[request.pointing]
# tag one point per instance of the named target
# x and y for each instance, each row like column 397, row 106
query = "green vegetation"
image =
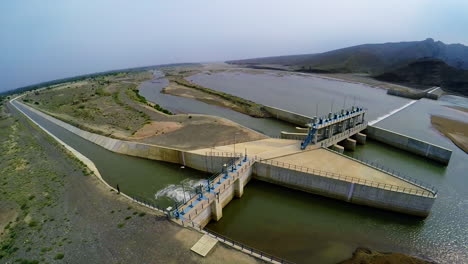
column 142, row 100
column 246, row 106
column 94, row 104
column 31, row 189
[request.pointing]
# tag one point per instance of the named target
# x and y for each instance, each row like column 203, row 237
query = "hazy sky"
column 41, row 40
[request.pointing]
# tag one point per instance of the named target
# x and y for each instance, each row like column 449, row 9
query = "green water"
column 311, row 229
column 137, row 177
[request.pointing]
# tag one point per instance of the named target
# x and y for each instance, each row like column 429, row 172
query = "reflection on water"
column 308, row 95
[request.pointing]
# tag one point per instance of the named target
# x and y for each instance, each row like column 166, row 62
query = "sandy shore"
column 455, row 130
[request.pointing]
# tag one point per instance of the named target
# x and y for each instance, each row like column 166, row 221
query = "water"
column 307, row 228
column 311, row 229
column 136, row 177
column 301, row 93
column 151, row 90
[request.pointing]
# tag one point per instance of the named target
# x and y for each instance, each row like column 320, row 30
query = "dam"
column 306, row 165
column 286, row 162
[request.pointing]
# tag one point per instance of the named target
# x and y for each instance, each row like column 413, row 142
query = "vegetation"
column 370, row 58
column 142, row 100
column 427, row 73
column 247, row 106
column 95, row 104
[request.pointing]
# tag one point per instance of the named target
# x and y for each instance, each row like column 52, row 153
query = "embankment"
column 370, row 194
column 288, row 116
column 142, row 150
column 413, row 145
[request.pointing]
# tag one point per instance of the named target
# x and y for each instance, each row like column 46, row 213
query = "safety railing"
column 338, row 176
column 250, row 250
column 341, row 136
column 339, row 117
column 214, row 185
column 393, row 172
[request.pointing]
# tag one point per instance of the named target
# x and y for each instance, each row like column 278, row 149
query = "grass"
column 59, row 256
column 139, row 98
column 246, row 106
column 93, row 105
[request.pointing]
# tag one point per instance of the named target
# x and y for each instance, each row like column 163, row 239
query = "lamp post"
column 183, row 187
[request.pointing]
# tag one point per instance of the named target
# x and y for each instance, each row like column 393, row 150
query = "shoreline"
column 454, row 130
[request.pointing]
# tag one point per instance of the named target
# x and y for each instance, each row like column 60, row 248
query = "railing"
column 250, row 250
column 324, row 120
column 215, row 184
column 338, row 176
column 338, row 137
column 392, row 172
column 230, row 242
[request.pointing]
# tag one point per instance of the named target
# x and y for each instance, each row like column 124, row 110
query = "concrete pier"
column 349, row 144
column 360, row 138
column 338, row 148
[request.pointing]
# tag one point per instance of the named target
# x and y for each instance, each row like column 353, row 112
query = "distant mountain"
column 429, row 72
column 370, row 58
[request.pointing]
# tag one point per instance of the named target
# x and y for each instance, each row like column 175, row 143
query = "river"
column 302, row 227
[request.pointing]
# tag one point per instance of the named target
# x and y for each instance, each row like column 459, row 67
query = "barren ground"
column 52, row 210
column 455, row 130
column 110, row 106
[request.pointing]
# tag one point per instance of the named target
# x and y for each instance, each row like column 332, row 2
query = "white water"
column 391, row 113
column 180, row 192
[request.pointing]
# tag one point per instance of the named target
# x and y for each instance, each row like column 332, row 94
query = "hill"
column 370, row 58
column 429, row 72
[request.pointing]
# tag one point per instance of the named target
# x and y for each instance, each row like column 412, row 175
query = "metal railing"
column 338, row 176
column 250, row 250
column 230, row 242
column 392, row 172
column 338, row 137
column 214, row 185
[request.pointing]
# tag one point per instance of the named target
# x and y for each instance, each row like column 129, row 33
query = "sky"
column 42, row 40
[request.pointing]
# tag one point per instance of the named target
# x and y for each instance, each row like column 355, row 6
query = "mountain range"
column 419, row 63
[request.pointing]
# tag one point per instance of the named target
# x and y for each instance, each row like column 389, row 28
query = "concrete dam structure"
column 314, row 169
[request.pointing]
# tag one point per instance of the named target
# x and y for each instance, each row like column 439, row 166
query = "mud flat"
column 456, row 131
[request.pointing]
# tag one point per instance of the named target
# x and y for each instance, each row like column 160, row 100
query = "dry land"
column 367, row 256
column 111, row 106
column 180, row 87
column 456, row 131
column 53, row 210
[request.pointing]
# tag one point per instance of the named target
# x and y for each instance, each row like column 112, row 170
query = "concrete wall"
column 391, row 200
column 343, row 190
column 226, row 194
column 410, row 144
column 288, row 116
column 147, row 151
column 295, row 136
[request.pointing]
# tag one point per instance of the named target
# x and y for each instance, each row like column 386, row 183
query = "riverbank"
column 179, row 86
column 367, row 256
column 52, row 210
column 455, row 130
column 110, row 106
